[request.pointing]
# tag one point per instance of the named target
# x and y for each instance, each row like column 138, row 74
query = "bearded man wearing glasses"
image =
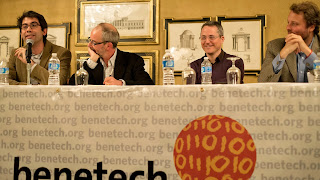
column 108, row 65
column 33, row 26
column 212, row 38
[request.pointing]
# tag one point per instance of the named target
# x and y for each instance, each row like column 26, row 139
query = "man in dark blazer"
column 110, row 66
column 289, row 59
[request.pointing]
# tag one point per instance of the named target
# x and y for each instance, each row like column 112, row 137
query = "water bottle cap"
column 206, row 58
column 54, row 54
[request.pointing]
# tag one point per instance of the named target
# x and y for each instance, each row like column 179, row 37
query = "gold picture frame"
column 59, row 34
column 136, row 20
column 176, row 31
column 244, row 37
column 9, row 40
column 150, row 58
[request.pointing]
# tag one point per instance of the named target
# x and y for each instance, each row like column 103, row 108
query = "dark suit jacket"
column 128, row 66
column 288, row 73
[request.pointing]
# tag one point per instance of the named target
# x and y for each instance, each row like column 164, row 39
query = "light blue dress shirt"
column 303, row 64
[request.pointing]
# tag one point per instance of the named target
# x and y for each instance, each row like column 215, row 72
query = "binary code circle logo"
column 214, row 147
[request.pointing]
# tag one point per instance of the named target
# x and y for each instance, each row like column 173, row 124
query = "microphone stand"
column 28, row 70
column 28, row 57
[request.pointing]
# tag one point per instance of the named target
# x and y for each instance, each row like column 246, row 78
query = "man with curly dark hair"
column 289, row 59
column 34, row 27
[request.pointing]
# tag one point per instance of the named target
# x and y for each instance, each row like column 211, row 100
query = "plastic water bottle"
column 168, row 68
column 4, row 72
column 316, row 68
column 54, row 70
column 206, row 71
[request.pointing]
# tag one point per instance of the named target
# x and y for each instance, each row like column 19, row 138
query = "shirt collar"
column 112, row 60
column 220, row 57
column 311, row 43
column 109, row 70
column 37, row 56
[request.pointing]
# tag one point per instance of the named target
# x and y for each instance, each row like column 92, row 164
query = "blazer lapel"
column 292, row 65
column 46, row 55
column 315, row 46
column 120, row 65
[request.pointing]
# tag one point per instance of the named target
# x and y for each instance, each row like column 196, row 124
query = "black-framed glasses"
column 33, row 25
column 95, row 43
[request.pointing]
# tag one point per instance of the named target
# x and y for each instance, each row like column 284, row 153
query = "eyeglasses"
column 211, row 37
column 33, row 25
column 95, row 43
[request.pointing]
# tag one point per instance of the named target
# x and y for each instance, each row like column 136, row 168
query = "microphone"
column 29, row 50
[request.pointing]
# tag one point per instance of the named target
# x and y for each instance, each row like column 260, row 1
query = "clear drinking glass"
column 81, row 76
column 233, row 73
column 188, row 74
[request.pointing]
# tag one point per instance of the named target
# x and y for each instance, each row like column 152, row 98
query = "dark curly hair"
column 32, row 14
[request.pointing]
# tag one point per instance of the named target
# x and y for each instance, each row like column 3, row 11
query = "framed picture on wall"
column 244, row 38
column 9, row 40
column 182, row 37
column 59, row 34
column 150, row 60
column 136, row 20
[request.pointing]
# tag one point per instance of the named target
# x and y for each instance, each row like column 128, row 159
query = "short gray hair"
column 109, row 34
column 214, row 23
